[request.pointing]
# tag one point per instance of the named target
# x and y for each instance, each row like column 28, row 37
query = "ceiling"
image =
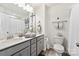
column 37, row 5
column 34, row 5
column 14, row 9
column 22, row 13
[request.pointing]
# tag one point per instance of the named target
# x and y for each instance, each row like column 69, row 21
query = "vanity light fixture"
column 29, row 8
column 25, row 6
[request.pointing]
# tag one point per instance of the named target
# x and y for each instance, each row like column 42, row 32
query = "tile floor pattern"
column 48, row 52
column 51, row 52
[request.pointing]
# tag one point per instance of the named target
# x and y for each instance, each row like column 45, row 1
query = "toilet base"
column 65, row 54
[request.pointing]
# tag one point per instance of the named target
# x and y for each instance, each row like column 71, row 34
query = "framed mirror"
column 30, row 23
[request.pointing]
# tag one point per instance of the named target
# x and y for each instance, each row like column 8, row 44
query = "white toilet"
column 58, row 41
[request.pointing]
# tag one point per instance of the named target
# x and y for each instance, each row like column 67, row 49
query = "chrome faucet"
column 9, row 36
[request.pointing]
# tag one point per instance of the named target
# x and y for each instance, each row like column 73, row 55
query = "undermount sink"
column 16, row 38
column 19, row 38
column 30, row 35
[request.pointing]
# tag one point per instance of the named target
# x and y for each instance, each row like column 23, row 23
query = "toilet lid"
column 58, row 47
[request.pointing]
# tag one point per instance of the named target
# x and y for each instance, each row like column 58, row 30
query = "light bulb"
column 29, row 8
column 25, row 7
column 21, row 4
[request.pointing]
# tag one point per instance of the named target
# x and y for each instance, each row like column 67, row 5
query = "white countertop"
column 11, row 42
column 39, row 35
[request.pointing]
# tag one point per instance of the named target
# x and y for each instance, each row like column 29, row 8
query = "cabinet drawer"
column 40, row 37
column 33, row 41
column 14, row 49
column 25, row 52
column 33, row 48
column 6, row 52
column 20, row 46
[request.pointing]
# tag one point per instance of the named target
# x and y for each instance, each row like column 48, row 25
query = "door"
column 73, row 49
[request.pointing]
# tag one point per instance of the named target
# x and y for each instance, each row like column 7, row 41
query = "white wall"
column 51, row 14
column 47, row 14
column 74, row 31
column 40, row 16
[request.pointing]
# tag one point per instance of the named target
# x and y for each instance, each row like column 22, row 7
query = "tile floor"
column 51, row 52
column 48, row 52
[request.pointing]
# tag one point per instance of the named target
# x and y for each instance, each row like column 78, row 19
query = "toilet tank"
column 58, row 39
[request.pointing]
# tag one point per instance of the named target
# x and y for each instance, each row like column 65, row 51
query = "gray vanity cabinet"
column 40, row 44
column 6, row 52
column 13, row 49
column 34, row 53
column 31, row 47
column 20, row 46
column 24, row 52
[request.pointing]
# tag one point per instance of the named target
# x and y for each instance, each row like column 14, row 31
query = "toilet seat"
column 59, row 48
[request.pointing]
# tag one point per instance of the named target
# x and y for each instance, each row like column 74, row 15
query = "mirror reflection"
column 17, row 23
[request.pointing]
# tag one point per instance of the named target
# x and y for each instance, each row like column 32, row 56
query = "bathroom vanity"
column 22, row 47
column 22, row 27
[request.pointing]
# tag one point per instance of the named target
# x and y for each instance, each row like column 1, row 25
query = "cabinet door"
column 33, row 47
column 25, row 52
column 33, row 54
column 40, row 46
column 20, row 46
column 33, row 41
